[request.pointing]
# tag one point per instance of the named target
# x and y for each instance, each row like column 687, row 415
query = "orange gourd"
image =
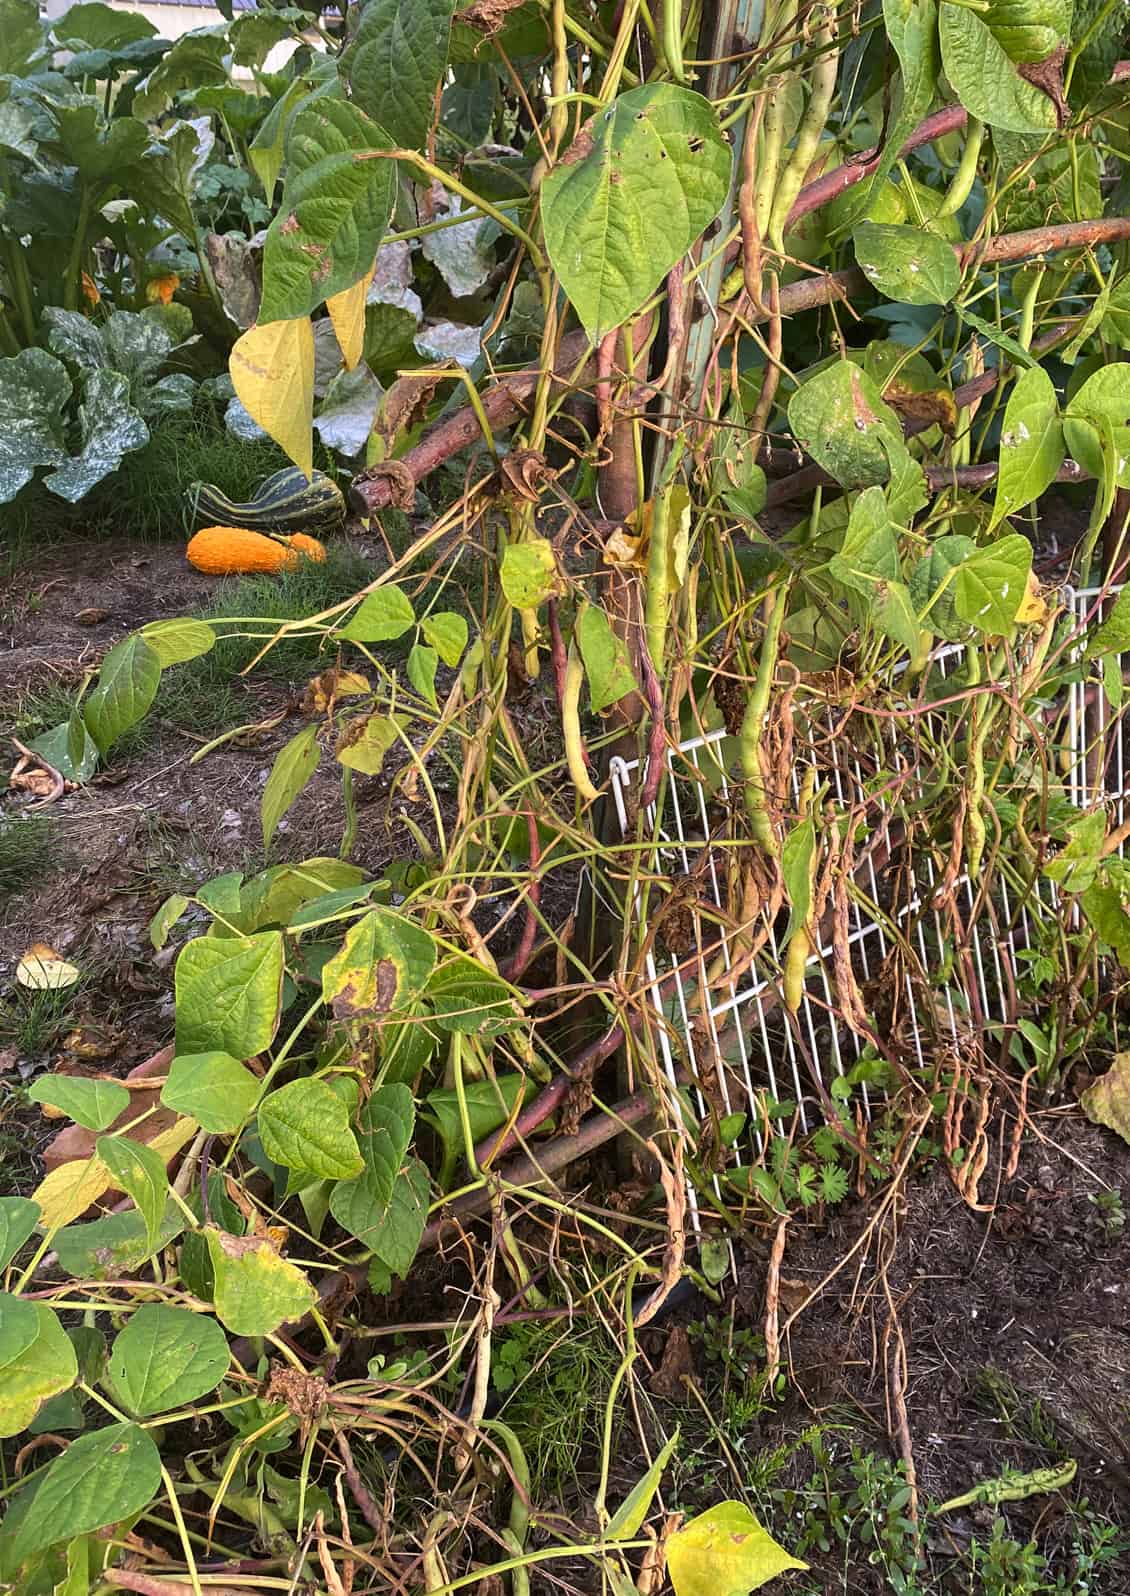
column 234, row 551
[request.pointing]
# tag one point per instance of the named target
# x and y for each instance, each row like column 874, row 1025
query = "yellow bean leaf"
column 347, row 313
column 68, row 1191
column 272, row 371
column 725, row 1552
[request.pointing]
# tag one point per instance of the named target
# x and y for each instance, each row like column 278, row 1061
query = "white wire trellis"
column 942, row 962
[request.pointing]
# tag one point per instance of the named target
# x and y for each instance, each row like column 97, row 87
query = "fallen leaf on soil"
column 87, row 1041
column 92, row 616
column 34, row 781
column 1107, row 1102
column 42, row 970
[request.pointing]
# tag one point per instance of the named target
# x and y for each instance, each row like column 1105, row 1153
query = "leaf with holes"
column 640, row 183
column 1032, row 446
column 228, row 993
column 165, row 1357
column 839, row 417
column 384, row 962
column 127, row 685
column 305, row 1125
column 908, row 264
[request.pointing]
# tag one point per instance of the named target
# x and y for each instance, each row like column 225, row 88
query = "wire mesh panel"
column 1100, row 769
column 914, row 964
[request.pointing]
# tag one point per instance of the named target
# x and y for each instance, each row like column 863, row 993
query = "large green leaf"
column 21, row 34
column 100, row 1479
column 384, row 962
column 166, row 1357
column 34, row 389
column 361, row 1205
column 101, row 152
column 838, row 416
column 45, row 1366
column 381, row 616
column 1032, row 446
column 127, row 685
column 335, row 207
column 305, row 1125
column 197, row 58
column 255, row 1290
column 212, row 1088
column 94, row 1104
column 869, row 552
column 630, row 196
column 100, row 27
column 908, row 264
column 140, row 1171
column 991, row 583
column 985, row 79
column 395, row 63
column 391, row 1230
column 931, row 586
column 228, row 993
column 607, row 666
column 18, row 1218
column 1105, row 396
column 1029, row 30
column 725, row 1552
column 109, row 427
column 293, row 767
column 467, row 997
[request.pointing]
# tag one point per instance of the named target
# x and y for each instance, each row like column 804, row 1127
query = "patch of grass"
column 27, row 850
column 554, row 1385
column 289, row 596
column 32, row 1022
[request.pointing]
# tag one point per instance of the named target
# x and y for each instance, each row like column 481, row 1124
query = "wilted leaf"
column 42, row 970
column 255, row 1290
column 1107, row 1100
column 272, row 371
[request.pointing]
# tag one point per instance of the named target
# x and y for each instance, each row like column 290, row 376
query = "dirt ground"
column 970, row 1341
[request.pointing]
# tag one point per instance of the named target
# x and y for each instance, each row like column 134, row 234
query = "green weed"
column 554, row 1383
column 28, row 848
column 32, row 1022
